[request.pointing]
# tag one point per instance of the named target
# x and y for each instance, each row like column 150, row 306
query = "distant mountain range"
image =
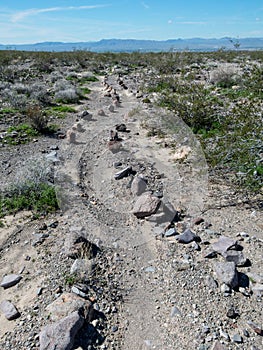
column 131, row 45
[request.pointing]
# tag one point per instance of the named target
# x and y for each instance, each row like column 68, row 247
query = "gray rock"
column 61, row 335
column 175, row 312
column 52, row 157
column 82, row 267
column 187, row 237
column 9, row 310
column 236, row 256
column 138, row 186
column 10, row 280
column 123, row 173
column 211, row 283
column 164, row 214
column 226, row 273
column 146, row 205
column 66, row 304
column 170, row 232
column 223, row 244
column 237, row 339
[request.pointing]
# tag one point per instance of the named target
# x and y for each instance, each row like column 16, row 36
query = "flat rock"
column 138, row 186
column 61, row 335
column 236, row 256
column 10, row 280
column 146, row 205
column 66, row 304
column 187, row 237
column 171, row 232
column 82, row 267
column 9, row 310
column 223, row 244
column 226, row 273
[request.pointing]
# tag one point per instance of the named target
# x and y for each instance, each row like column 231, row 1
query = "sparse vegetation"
column 218, row 94
column 31, row 191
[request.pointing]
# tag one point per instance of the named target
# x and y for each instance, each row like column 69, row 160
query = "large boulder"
column 61, row 335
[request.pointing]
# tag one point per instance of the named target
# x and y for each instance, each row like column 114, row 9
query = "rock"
column 66, row 304
column 232, row 313
column 52, row 157
column 71, row 136
column 82, row 267
column 138, row 186
column 197, row 221
column 9, row 310
column 218, row 346
column 226, row 273
column 77, row 246
column 164, row 214
column 10, row 280
column 146, row 205
column 187, row 237
column 175, row 312
column 78, row 127
column 79, row 292
column 236, row 256
column 237, row 339
column 101, row 112
column 111, row 108
column 256, row 328
column 257, row 290
column 61, row 335
column 223, row 244
column 171, row 232
column 123, row 173
column 211, row 283
column 121, row 127
column 209, row 253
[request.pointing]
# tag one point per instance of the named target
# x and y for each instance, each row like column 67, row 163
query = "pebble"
column 187, row 237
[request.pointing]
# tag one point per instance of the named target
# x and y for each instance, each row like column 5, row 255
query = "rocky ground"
column 147, row 251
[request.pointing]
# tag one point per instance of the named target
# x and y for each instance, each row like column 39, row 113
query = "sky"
column 24, row 22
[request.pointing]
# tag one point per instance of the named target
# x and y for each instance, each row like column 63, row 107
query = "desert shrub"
column 39, row 94
column 37, row 118
column 225, row 76
column 69, row 95
column 31, row 190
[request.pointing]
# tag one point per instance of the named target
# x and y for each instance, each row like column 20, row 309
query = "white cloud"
column 145, row 5
column 18, row 16
column 170, row 21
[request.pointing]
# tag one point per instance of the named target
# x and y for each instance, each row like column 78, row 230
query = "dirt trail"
column 89, row 164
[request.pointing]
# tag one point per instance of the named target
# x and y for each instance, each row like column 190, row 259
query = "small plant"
column 36, row 118
column 67, row 96
column 31, row 191
column 85, row 90
column 2, row 225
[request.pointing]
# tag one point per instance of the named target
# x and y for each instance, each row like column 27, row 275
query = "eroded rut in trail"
column 92, row 197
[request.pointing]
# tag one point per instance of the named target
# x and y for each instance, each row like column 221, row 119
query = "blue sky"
column 31, row 21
